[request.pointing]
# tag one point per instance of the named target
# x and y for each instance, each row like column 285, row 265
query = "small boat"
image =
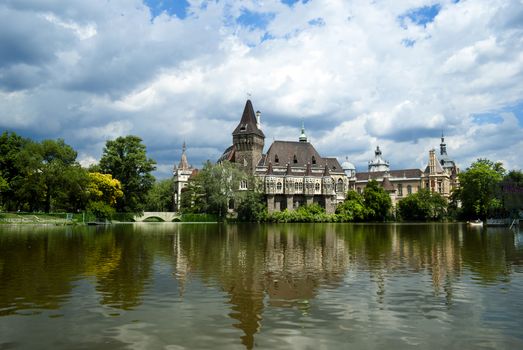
column 475, row 223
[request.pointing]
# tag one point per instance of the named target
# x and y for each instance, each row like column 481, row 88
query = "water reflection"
column 260, row 269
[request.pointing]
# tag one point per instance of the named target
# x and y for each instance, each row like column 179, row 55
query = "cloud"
column 359, row 74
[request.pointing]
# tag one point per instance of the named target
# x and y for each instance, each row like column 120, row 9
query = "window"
column 313, row 160
column 339, row 186
column 295, row 160
column 279, row 186
column 317, row 186
column 276, row 159
column 409, row 189
column 400, row 190
column 300, row 186
column 296, row 186
column 243, row 184
column 359, row 190
column 440, row 187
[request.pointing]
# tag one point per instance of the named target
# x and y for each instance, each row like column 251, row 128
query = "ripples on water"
column 177, row 286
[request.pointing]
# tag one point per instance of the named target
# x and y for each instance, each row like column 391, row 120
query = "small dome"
column 346, row 165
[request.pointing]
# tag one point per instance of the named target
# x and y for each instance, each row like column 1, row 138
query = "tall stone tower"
column 248, row 140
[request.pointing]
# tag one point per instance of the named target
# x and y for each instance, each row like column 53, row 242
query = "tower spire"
column 303, row 137
column 443, row 146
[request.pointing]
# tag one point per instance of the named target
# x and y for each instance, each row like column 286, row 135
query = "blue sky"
column 358, row 74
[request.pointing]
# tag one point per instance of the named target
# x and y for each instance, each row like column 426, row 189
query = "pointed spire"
column 289, row 170
column 303, row 137
column 442, row 146
column 248, row 124
column 308, row 170
column 269, row 169
column 184, row 164
column 326, row 171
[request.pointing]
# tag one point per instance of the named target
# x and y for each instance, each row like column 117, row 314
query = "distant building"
column 440, row 175
column 181, row 175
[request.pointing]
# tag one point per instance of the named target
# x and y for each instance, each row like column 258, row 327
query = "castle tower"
column 181, row 174
column 378, row 163
column 248, row 139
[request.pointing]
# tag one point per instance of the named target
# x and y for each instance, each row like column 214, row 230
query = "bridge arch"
column 165, row 216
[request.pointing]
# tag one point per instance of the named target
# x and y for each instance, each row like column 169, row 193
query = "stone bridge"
column 166, row 216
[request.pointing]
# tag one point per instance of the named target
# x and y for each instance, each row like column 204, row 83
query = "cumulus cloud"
column 358, row 74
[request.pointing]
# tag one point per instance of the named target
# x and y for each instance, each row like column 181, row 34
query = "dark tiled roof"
column 248, row 122
column 228, row 154
column 402, row 173
column 333, row 164
column 287, row 150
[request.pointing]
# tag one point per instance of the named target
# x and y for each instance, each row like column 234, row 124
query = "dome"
column 346, row 165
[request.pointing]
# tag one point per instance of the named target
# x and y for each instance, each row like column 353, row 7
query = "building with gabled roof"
column 291, row 173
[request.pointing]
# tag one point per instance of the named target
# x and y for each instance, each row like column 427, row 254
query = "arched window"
column 295, row 160
column 243, row 184
column 279, row 186
column 317, row 186
column 313, row 160
column 296, row 186
column 276, row 159
column 300, row 186
column 409, row 189
column 339, row 186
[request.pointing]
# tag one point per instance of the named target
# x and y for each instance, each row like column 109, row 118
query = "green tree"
column 126, row 160
column 160, row 197
column 377, row 201
column 352, row 208
column 251, row 207
column 213, row 190
column 11, row 170
column 479, row 188
column 423, row 206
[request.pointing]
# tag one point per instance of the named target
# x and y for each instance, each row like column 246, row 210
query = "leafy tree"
column 251, row 207
column 479, row 188
column 10, row 168
column 213, row 190
column 512, row 192
column 160, row 197
column 103, row 188
column 352, row 208
column 422, row 206
column 126, row 160
column 377, row 201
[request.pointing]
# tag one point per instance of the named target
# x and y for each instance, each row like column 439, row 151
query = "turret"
column 248, row 139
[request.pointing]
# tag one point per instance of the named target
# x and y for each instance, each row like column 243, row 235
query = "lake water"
column 296, row 286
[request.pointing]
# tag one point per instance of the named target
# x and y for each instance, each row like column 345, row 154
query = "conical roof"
column 184, row 164
column 387, row 185
column 248, row 123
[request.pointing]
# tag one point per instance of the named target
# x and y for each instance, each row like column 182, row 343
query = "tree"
column 213, row 190
column 103, row 188
column 352, row 208
column 160, row 197
column 10, row 168
column 126, row 160
column 251, row 207
column 377, row 201
column 422, row 206
column 479, row 188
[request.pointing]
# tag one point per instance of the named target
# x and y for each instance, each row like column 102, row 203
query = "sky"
column 358, row 74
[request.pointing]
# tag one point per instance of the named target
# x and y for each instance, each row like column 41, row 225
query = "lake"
column 293, row 286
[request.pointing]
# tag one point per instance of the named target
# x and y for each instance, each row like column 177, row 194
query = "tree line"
column 46, row 176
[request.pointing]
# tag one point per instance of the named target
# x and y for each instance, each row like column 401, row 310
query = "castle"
column 293, row 173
